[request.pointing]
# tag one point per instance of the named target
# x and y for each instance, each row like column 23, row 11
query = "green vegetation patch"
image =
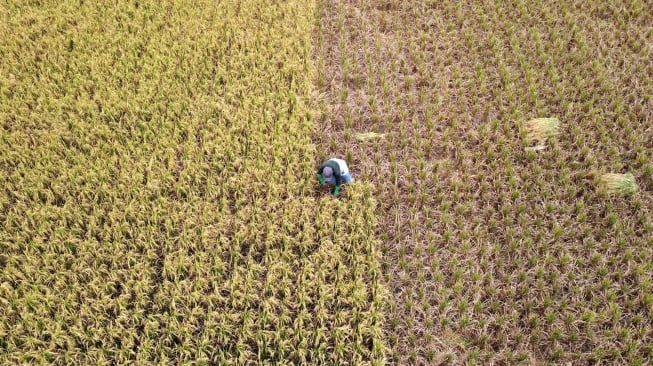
column 155, row 199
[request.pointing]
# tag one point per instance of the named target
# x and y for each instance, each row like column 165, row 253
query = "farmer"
column 335, row 172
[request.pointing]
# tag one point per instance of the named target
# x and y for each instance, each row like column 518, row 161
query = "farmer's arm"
column 319, row 175
column 336, row 191
column 339, row 182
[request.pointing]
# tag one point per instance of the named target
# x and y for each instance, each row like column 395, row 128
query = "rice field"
column 514, row 175
column 159, row 203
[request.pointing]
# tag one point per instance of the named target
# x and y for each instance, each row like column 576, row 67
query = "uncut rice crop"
column 493, row 254
column 157, row 200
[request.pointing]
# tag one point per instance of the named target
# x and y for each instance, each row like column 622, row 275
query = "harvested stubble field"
column 157, row 204
column 498, row 250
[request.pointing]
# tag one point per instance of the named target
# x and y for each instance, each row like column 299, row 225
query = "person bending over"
column 335, row 173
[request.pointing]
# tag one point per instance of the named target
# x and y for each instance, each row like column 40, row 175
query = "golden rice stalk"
column 369, row 136
column 539, row 129
column 619, row 184
column 535, row 148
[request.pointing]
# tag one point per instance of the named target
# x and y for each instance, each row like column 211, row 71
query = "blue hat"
column 327, row 172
